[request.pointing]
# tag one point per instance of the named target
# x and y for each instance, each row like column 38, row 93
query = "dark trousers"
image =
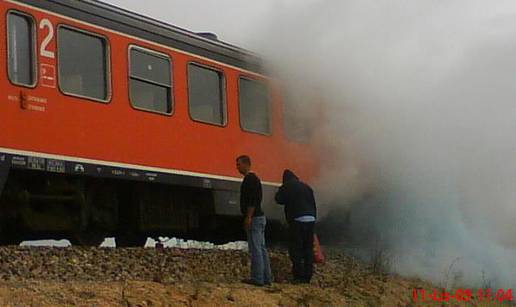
column 300, row 250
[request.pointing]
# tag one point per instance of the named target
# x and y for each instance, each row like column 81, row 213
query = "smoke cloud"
column 417, row 127
column 417, row 131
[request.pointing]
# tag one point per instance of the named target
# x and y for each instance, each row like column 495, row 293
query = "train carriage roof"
column 121, row 20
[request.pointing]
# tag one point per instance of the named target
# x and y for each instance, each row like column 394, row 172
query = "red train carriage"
column 115, row 124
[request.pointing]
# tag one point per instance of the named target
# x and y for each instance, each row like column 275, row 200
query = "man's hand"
column 247, row 223
column 248, row 218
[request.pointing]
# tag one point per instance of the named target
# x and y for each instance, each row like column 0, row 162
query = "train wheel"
column 130, row 240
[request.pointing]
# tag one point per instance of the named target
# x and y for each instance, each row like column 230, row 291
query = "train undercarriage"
column 39, row 205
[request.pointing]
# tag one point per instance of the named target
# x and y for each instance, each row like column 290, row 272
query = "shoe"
column 252, row 282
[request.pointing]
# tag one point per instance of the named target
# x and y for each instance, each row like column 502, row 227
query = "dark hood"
column 289, row 175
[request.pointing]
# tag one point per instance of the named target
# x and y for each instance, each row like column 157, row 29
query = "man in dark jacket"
column 300, row 212
column 254, row 223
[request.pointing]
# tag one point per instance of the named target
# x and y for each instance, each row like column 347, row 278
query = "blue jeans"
column 260, row 265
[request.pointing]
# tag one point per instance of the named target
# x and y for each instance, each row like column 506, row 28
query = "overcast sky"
column 231, row 20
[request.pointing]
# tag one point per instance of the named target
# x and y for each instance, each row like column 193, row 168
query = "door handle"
column 23, row 106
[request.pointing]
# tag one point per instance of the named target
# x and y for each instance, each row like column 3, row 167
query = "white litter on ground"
column 167, row 242
column 185, row 244
column 48, row 243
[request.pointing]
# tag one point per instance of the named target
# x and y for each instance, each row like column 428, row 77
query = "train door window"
column 254, row 106
column 83, row 64
column 150, row 80
column 206, row 95
column 20, row 52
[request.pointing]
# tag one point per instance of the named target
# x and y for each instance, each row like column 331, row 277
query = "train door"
column 19, row 77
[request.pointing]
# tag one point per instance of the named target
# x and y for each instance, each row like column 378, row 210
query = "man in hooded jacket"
column 300, row 212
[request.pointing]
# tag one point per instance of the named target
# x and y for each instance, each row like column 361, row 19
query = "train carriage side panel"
column 109, row 137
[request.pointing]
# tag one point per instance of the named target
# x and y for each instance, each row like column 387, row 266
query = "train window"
column 254, row 106
column 150, row 80
column 20, row 52
column 301, row 111
column 299, row 116
column 83, row 64
column 206, row 95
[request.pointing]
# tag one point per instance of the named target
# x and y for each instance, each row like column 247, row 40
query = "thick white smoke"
column 417, row 131
column 420, row 112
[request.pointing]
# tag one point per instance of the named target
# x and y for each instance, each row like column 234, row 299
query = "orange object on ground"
column 318, row 254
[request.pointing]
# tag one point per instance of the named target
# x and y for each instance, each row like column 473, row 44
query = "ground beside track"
column 43, row 276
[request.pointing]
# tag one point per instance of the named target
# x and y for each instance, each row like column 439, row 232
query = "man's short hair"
column 245, row 159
